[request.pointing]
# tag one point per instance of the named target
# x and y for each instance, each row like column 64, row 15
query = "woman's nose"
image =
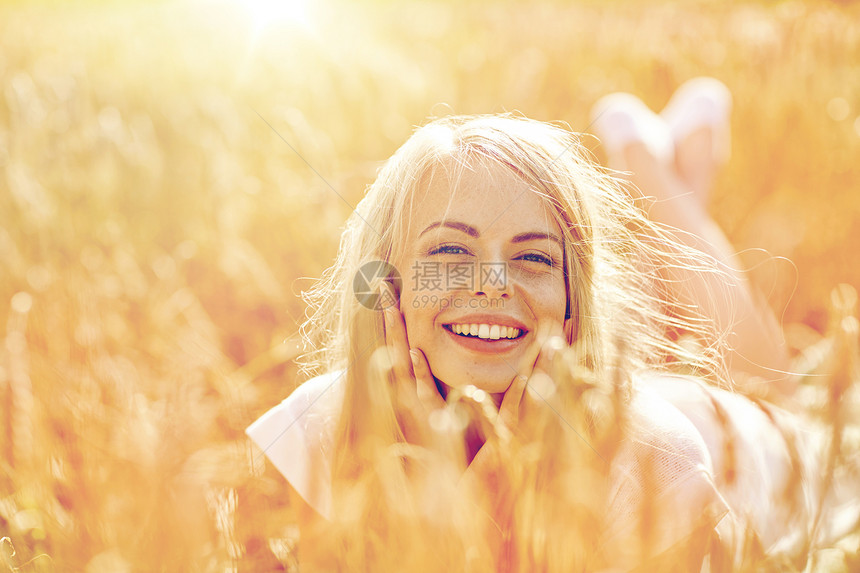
column 491, row 279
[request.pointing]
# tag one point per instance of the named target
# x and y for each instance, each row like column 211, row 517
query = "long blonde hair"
column 614, row 255
column 621, row 315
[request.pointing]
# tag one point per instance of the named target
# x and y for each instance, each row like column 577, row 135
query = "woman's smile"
column 486, row 333
column 495, row 251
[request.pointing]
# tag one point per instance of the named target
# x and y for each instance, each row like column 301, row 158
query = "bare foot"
column 697, row 117
column 695, row 163
column 621, row 120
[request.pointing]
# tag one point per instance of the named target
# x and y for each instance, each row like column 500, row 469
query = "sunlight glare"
column 265, row 13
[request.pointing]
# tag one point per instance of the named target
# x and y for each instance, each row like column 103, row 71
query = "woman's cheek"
column 547, row 291
column 419, row 322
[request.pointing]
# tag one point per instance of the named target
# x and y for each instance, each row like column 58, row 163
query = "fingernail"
column 413, row 355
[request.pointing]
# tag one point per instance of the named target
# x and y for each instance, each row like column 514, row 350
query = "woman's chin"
column 489, row 385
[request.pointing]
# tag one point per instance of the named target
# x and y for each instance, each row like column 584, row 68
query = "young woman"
column 533, row 381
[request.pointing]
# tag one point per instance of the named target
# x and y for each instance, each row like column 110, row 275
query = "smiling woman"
column 527, row 248
column 517, row 405
column 466, row 217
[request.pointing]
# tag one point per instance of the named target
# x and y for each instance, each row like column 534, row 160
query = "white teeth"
column 486, row 331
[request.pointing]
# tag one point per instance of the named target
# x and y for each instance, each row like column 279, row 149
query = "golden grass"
column 155, row 231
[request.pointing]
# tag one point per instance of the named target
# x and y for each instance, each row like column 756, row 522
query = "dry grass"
column 154, row 229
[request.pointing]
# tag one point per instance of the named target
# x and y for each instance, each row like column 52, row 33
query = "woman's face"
column 479, row 273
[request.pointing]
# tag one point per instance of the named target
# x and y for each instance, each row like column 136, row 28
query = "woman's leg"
column 756, row 345
column 676, row 184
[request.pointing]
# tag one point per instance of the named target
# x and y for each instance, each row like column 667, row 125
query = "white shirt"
column 712, row 451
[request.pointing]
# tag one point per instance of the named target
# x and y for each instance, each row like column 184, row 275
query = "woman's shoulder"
column 314, row 403
column 660, row 422
column 664, row 463
column 322, row 394
column 297, row 436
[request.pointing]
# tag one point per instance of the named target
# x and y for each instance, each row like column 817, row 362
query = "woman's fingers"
column 397, row 341
column 509, row 410
column 553, row 341
column 425, row 384
column 413, row 384
column 533, row 381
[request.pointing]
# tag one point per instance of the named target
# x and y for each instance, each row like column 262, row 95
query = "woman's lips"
column 487, row 345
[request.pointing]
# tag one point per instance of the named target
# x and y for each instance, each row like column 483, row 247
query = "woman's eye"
column 448, row 250
column 537, row 258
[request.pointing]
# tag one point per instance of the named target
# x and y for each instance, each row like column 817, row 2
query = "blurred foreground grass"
column 155, row 230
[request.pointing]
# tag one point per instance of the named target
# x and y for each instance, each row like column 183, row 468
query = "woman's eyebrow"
column 468, row 229
column 534, row 236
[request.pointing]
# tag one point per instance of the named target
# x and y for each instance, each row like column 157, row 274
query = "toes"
column 622, row 119
column 701, row 103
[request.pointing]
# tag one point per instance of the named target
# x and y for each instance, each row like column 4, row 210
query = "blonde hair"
column 615, row 257
column 621, row 313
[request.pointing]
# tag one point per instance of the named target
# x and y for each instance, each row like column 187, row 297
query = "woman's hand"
column 493, row 472
column 531, row 387
column 413, row 386
column 530, row 390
